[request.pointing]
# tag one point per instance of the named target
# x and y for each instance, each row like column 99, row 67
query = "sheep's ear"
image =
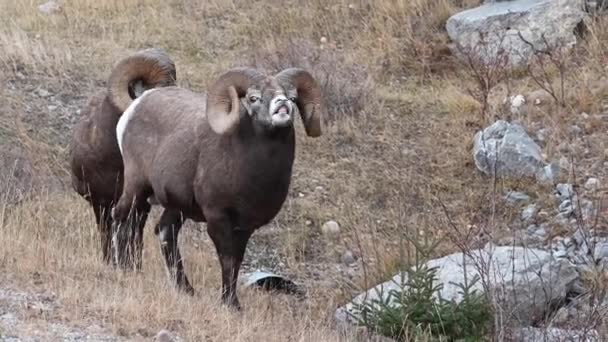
column 309, row 100
column 223, row 103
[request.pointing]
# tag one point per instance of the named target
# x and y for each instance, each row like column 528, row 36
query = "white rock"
column 164, row 336
column 530, row 334
column 516, row 197
column 50, row 7
column 330, row 228
column 527, row 280
column 517, row 104
column 592, row 184
column 494, row 28
column 505, row 149
column 348, row 258
column 529, row 212
column 564, row 191
column 548, row 174
column 323, row 40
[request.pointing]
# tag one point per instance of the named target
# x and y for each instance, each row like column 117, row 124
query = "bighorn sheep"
column 95, row 160
column 225, row 158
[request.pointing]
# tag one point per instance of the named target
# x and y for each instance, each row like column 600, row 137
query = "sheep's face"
column 270, row 104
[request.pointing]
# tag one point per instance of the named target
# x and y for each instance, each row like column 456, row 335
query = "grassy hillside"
column 395, row 161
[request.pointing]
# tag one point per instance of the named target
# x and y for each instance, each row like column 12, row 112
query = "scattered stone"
column 592, row 184
column 566, row 207
column 505, row 149
column 564, row 191
column 575, row 130
column 530, row 334
column 330, row 228
column 323, row 40
column 492, row 31
column 548, row 174
column 528, row 279
column 517, row 104
column 348, row 258
column 164, row 336
column 516, row 197
column 529, row 212
column 50, row 7
column 601, row 250
column 43, row 92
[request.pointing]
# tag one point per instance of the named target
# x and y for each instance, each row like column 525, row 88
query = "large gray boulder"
column 524, row 281
column 505, row 149
column 501, row 22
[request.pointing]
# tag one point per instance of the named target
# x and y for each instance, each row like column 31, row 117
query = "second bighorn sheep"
column 225, row 158
column 95, row 160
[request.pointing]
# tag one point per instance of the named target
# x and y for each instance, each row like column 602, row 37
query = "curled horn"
column 151, row 67
column 309, row 98
column 223, row 104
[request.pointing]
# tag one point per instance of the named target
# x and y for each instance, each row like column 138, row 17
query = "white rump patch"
column 121, row 126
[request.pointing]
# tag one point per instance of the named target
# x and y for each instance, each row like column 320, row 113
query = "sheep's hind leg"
column 230, row 242
column 104, row 226
column 129, row 217
column 167, row 230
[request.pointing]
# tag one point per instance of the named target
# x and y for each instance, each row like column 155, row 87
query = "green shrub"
column 410, row 312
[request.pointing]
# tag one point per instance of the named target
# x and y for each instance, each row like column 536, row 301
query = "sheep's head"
column 270, row 101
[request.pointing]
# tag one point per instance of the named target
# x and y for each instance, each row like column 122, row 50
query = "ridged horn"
column 309, row 100
column 152, row 67
column 223, row 104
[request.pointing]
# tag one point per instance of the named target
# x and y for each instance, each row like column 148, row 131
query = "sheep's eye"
column 254, row 99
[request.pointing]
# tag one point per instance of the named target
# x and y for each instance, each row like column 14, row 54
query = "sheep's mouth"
column 281, row 116
column 283, row 109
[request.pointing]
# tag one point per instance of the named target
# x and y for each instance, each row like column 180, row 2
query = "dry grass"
column 397, row 140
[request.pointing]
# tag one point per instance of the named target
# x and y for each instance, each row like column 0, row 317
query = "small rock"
column 564, row 191
column 330, row 228
column 50, row 7
column 592, row 184
column 529, row 212
column 323, row 40
column 505, row 149
column 515, row 197
column 566, row 207
column 601, row 250
column 43, row 92
column 517, row 104
column 348, row 258
column 164, row 336
column 548, row 174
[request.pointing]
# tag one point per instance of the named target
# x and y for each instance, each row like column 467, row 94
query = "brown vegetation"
column 400, row 141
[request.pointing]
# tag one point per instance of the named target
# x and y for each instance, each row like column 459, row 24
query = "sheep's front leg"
column 230, row 243
column 167, row 230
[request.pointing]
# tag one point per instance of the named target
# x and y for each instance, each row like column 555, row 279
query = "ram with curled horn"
column 224, row 158
column 95, row 161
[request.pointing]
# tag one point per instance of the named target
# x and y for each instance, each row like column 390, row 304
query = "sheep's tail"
column 139, row 72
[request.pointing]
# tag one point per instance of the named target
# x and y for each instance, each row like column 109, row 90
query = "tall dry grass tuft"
column 52, row 248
